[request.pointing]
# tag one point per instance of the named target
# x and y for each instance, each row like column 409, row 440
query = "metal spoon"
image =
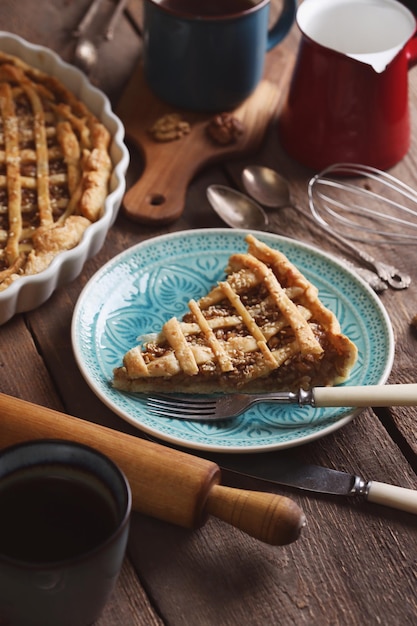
column 272, row 190
column 239, row 211
column 87, row 19
column 86, row 50
column 267, row 186
column 236, row 209
column 85, row 55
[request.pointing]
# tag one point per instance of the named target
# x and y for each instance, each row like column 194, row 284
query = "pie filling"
column 261, row 329
column 54, row 169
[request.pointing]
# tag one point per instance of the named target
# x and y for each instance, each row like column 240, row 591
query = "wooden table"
column 355, row 562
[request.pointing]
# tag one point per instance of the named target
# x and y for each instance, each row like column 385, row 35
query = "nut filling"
column 261, row 329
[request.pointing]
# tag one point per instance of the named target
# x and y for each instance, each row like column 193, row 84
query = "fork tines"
column 180, row 407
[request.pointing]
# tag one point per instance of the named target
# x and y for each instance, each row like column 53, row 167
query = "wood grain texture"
column 129, row 604
column 355, row 562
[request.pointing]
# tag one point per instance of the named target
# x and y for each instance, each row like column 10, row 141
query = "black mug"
column 64, row 523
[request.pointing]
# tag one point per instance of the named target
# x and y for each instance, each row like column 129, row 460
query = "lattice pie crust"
column 54, row 169
column 262, row 329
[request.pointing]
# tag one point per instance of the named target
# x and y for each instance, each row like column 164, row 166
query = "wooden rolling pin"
column 167, row 484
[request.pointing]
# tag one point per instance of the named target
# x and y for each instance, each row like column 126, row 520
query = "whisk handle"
column 388, row 273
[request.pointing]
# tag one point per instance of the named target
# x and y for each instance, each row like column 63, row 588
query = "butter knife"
column 292, row 473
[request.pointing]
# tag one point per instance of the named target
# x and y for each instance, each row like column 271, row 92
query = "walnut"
column 224, row 129
column 169, row 128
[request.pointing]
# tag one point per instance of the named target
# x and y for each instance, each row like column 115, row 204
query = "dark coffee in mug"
column 48, row 516
column 64, row 523
column 207, row 8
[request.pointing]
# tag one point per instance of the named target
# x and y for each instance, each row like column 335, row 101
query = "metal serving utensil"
column 227, row 406
column 285, row 470
column 86, row 50
column 376, row 209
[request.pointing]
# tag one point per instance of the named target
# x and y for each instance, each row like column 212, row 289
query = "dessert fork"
column 221, row 407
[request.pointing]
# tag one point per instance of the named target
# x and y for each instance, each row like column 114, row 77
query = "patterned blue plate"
column 138, row 290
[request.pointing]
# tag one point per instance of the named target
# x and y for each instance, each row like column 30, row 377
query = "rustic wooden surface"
column 355, row 563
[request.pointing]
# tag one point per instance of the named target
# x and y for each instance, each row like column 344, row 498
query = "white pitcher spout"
column 378, row 60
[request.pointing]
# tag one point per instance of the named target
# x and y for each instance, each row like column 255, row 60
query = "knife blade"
column 286, row 471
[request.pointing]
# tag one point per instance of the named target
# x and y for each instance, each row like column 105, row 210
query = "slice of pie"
column 261, row 329
column 54, row 169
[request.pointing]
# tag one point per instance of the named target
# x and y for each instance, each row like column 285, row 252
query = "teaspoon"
column 86, row 50
column 236, row 209
column 267, row 187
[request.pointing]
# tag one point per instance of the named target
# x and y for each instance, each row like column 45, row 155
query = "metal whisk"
column 377, row 208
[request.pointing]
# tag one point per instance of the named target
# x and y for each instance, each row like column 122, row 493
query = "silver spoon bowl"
column 236, row 209
column 85, row 55
column 267, row 187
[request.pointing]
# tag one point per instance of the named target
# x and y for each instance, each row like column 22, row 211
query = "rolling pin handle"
column 271, row 518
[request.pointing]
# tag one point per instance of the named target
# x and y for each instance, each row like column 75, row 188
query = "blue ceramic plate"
column 137, row 291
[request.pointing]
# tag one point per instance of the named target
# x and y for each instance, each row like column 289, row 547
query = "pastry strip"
column 183, row 352
column 12, row 161
column 249, row 323
column 218, row 350
column 42, row 170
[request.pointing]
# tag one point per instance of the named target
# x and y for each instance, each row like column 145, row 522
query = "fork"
column 228, row 406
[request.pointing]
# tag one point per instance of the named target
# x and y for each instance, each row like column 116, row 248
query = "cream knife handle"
column 367, row 395
column 393, row 496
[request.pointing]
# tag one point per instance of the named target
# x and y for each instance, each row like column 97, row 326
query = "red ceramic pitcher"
column 348, row 98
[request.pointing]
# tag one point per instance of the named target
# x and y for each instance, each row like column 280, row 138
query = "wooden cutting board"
column 158, row 197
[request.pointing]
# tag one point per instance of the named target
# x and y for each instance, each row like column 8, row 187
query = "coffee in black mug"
column 64, row 525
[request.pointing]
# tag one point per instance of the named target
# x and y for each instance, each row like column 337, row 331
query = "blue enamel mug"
column 208, row 55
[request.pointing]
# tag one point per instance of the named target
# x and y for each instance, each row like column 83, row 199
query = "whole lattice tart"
column 54, row 169
column 263, row 328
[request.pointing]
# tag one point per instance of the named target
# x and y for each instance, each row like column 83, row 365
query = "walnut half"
column 169, row 128
column 224, row 129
